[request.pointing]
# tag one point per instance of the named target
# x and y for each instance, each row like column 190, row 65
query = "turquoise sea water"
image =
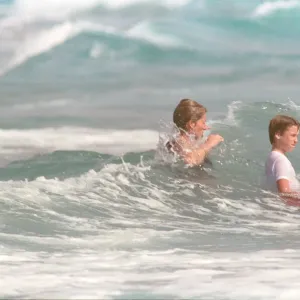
column 89, row 207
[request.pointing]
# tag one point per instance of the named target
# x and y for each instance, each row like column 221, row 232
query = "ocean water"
column 90, row 206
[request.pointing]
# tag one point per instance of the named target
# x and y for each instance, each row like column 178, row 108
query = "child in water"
column 190, row 118
column 280, row 174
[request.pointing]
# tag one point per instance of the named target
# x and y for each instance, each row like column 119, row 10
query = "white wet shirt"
column 278, row 167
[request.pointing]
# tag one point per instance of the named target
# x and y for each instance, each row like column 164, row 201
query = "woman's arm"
column 198, row 155
column 194, row 157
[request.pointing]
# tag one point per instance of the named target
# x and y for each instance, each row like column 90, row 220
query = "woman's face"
column 198, row 128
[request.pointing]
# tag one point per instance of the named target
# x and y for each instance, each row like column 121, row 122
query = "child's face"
column 288, row 140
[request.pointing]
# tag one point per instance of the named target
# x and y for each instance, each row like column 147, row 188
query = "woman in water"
column 280, row 174
column 190, row 120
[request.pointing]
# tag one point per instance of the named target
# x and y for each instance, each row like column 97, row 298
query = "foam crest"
column 35, row 9
column 43, row 41
column 118, row 191
column 268, row 8
column 143, row 31
column 233, row 107
column 54, row 9
column 291, row 105
column 15, row 143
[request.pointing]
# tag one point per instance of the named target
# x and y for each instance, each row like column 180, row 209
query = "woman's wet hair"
column 279, row 124
column 187, row 110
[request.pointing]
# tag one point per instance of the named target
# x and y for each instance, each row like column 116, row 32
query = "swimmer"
column 190, row 119
column 280, row 174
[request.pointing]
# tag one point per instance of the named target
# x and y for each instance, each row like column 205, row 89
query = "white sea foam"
column 269, row 7
column 138, row 258
column 38, row 41
column 57, row 9
column 143, row 31
column 22, row 143
column 107, row 274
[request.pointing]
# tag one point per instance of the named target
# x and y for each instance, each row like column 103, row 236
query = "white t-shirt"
column 279, row 167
